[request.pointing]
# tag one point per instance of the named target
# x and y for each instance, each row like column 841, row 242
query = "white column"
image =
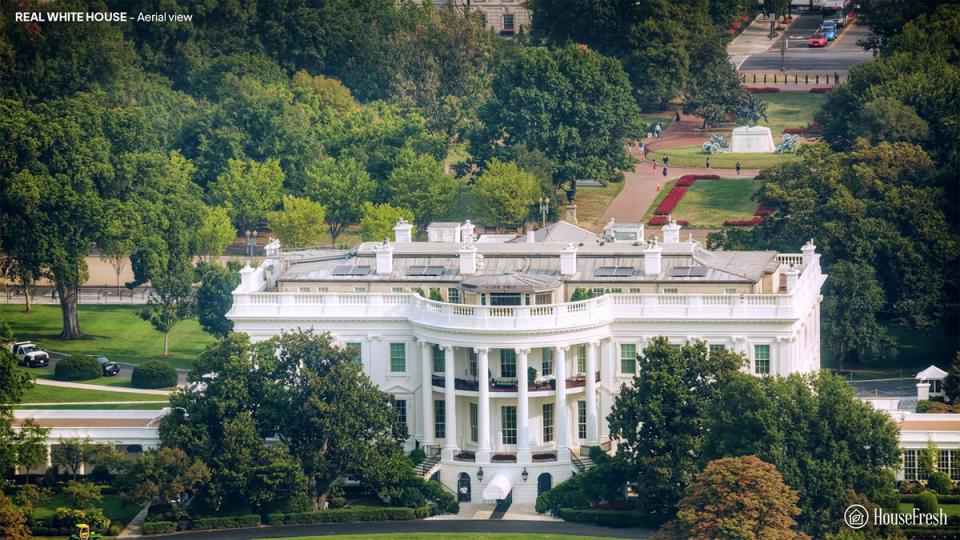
column 563, row 443
column 450, row 408
column 591, row 394
column 607, row 382
column 426, row 396
column 523, row 414
column 483, row 416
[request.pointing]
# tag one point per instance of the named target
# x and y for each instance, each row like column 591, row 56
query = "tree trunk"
column 335, row 229
column 68, row 307
column 166, row 342
column 118, row 283
column 27, row 306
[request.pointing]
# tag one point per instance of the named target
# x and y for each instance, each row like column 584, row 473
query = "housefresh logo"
column 857, row 516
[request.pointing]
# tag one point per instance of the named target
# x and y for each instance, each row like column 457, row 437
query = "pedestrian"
column 657, row 129
column 654, row 163
column 738, row 168
column 658, row 186
column 664, row 170
column 708, row 163
column 641, row 147
column 678, row 116
column 666, row 160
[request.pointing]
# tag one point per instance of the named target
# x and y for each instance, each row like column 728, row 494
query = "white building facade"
column 495, row 362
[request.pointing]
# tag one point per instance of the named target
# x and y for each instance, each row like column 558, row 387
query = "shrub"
column 82, row 495
column 356, row 513
column 79, row 367
column 68, row 518
column 159, row 527
column 670, row 202
column 763, row 210
column 598, row 456
column 927, row 502
column 225, row 522
column 940, row 482
column 417, row 455
column 604, row 483
column 154, row 374
column 612, row 518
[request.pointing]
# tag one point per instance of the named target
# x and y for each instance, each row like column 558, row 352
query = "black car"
column 109, row 368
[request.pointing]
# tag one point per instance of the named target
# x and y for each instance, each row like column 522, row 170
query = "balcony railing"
column 471, row 385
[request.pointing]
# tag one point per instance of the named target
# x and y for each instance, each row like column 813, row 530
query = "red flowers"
column 664, row 220
column 670, row 201
column 763, row 210
column 763, row 90
column 687, row 180
column 758, row 216
column 795, row 131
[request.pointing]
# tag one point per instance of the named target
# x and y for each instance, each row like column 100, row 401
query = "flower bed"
column 763, row 211
column 743, row 222
column 687, row 180
column 821, row 90
column 501, row 458
column 670, row 202
column 814, row 127
column 663, row 220
column 794, row 131
column 545, row 456
column 763, row 90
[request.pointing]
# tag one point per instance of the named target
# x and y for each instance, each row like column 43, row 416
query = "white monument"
column 751, row 139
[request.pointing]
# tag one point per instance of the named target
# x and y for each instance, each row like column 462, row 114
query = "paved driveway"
column 893, row 388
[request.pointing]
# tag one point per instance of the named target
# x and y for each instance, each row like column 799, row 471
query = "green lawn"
column 948, row 509
column 459, row 536
column 98, row 407
column 592, row 202
column 55, row 394
column 693, row 156
column 790, row 109
column 708, row 203
column 915, row 350
column 115, row 331
column 113, row 507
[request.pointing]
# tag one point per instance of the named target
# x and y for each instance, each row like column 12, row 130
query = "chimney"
column 651, row 258
column 923, row 391
column 671, row 232
column 468, row 260
column 571, row 216
column 531, row 236
column 808, row 250
column 466, row 232
column 384, row 258
column 248, row 282
column 402, row 232
column 792, row 275
column 568, row 260
column 272, row 249
column 608, row 230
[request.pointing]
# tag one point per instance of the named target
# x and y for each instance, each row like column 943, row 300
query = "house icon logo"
column 856, row 516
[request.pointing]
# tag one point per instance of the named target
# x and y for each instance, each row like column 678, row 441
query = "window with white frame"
column 582, row 359
column 628, row 358
column 474, row 422
column 398, row 289
column 730, row 291
column 439, row 419
column 508, row 22
column 670, row 290
column 359, row 289
column 322, row 289
column 716, row 347
column 761, row 359
column 546, row 362
column 547, row 422
column 400, row 408
column 634, row 290
column 439, row 359
column 473, row 362
column 582, row 419
column 543, row 298
column 508, row 421
column 398, row 357
column 304, row 289
column 910, row 469
column 508, row 363
column 453, row 295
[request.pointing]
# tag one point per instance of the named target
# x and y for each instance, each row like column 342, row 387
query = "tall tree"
column 117, row 240
column 31, row 446
column 951, row 384
column 72, row 454
column 300, row 223
column 505, row 193
column 379, row 219
column 214, row 296
column 853, row 300
column 14, row 382
column 341, row 186
column 714, row 92
column 166, row 475
column 419, row 184
column 248, row 190
column 658, row 419
column 215, row 235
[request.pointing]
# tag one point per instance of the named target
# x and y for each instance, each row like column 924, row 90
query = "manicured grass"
column 115, row 331
column 592, row 202
column 693, row 156
column 459, row 536
column 649, row 120
column 99, row 407
column 55, row 394
column 915, row 351
column 47, row 373
column 948, row 509
column 708, row 203
column 113, row 507
column 790, row 109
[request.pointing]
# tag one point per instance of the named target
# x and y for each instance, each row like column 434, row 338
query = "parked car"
column 110, row 368
column 829, row 29
column 817, row 40
column 29, row 355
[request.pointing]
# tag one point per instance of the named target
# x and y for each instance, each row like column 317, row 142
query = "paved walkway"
column 641, row 184
column 517, row 512
column 102, row 388
column 753, row 40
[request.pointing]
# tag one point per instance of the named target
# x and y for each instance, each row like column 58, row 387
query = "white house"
column 506, row 377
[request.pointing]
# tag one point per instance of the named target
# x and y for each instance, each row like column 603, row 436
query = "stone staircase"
column 582, row 463
column 428, row 466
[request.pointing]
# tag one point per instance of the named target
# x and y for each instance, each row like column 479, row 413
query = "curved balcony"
column 472, row 385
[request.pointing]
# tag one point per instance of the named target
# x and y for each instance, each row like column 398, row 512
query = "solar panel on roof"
column 425, row 271
column 688, row 271
column 614, row 271
column 351, row 270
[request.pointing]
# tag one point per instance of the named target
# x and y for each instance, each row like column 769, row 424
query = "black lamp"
column 480, row 474
column 525, row 474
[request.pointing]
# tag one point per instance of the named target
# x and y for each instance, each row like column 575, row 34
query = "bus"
column 840, row 12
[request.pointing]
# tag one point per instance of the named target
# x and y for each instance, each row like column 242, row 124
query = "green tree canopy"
column 379, row 219
column 341, row 187
column 419, row 184
column 300, row 223
column 248, row 190
column 505, row 193
column 853, row 300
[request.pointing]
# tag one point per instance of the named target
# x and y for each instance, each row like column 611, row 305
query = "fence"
column 86, row 295
column 830, row 79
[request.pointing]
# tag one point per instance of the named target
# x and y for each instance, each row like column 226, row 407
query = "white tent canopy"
column 498, row 487
column 932, row 373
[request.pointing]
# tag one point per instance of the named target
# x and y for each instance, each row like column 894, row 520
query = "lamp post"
column 251, row 242
column 544, row 208
column 480, row 474
column 525, row 475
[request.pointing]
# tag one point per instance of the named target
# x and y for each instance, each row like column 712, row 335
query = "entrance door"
column 544, row 483
column 463, row 488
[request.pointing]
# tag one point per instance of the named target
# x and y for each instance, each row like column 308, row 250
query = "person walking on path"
column 657, row 129
column 678, row 116
column 666, row 160
column 654, row 163
column 738, row 168
column 708, row 163
column 664, row 171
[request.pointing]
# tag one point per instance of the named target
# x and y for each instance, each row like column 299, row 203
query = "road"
column 840, row 55
column 386, row 528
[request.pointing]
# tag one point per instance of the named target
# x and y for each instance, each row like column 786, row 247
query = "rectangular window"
column 359, row 289
column 400, row 407
column 910, row 468
column 582, row 359
column 398, row 357
column 544, row 298
column 634, row 290
column 355, row 348
column 398, row 289
column 761, row 359
column 582, row 419
column 453, row 295
column 509, row 423
column 508, row 363
column 953, row 470
column 547, row 422
column 670, row 290
column 715, row 348
column 729, row 291
column 439, row 359
column 616, row 290
column 473, row 362
column 508, row 22
column 474, row 422
column 628, row 358
column 597, row 292
column 546, row 362
column 439, row 419
column 322, row 289
column 304, row 289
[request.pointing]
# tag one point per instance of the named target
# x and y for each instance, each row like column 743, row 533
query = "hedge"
column 79, row 367
column 153, row 374
column 356, row 513
column 612, row 518
column 943, row 499
column 159, row 527
column 931, row 533
column 226, row 522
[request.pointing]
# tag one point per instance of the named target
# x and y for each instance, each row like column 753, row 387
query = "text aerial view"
column 480, row 269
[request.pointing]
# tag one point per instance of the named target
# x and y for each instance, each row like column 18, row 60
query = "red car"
column 817, row 40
